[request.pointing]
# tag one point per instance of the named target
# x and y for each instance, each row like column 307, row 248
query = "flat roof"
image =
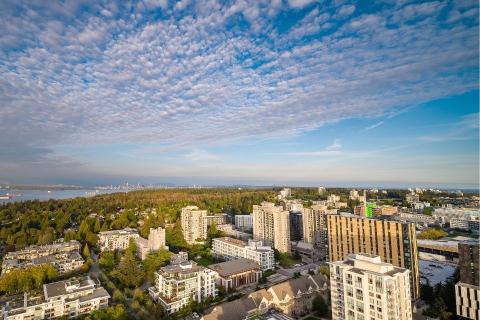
column 60, row 288
column 183, row 267
column 238, row 243
column 97, row 293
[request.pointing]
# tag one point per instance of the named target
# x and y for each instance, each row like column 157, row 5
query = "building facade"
column 393, row 241
column 314, row 224
column 216, row 218
column 296, row 226
column 155, row 242
column 244, row 222
column 271, row 224
column 120, row 240
column 384, row 211
column 448, row 212
column 232, row 249
column 364, row 288
column 467, row 290
column 230, row 231
column 194, row 224
column 236, row 274
column 467, row 300
column 70, row 298
column 415, row 217
column 468, row 261
column 412, row 198
column 176, row 284
column 471, row 224
column 64, row 256
column 116, row 239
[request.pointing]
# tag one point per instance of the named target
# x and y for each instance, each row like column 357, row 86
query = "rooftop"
column 302, row 284
column 228, row 268
column 121, row 231
column 67, row 286
column 97, row 293
column 363, row 262
column 183, row 267
column 236, row 242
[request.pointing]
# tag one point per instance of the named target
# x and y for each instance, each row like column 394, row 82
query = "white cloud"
column 335, row 146
column 298, row 4
column 152, row 4
column 182, row 4
column 199, row 155
column 191, row 81
column 375, row 125
column 333, row 149
column 346, row 11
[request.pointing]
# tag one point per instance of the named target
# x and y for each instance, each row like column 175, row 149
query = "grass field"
column 205, row 261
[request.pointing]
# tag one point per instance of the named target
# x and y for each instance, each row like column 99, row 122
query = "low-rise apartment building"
column 230, row 231
column 384, row 211
column 446, row 213
column 471, row 224
column 415, row 218
column 120, row 240
column 232, row 249
column 64, row 256
column 116, row 239
column 69, row 298
column 364, row 287
column 63, row 262
column 176, row 284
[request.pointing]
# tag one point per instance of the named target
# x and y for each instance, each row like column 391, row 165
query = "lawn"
column 268, row 273
column 204, row 261
column 287, row 261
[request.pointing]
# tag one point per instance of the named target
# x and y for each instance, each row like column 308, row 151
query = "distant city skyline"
column 298, row 93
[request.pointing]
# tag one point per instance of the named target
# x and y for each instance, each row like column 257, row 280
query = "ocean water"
column 24, row 195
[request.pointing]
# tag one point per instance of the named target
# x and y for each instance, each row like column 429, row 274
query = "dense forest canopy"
column 41, row 222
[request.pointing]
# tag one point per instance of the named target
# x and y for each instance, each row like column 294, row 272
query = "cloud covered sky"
column 296, row 91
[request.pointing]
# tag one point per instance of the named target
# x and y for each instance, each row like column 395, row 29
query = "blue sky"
column 256, row 92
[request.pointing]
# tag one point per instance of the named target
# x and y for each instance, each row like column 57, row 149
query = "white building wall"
column 467, row 300
column 255, row 251
column 369, row 291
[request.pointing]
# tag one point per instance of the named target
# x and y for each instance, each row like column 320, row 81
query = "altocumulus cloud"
column 195, row 72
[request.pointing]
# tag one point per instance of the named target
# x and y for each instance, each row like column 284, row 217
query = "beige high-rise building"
column 271, row 224
column 364, row 288
column 395, row 242
column 315, row 227
column 194, row 224
column 155, row 242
